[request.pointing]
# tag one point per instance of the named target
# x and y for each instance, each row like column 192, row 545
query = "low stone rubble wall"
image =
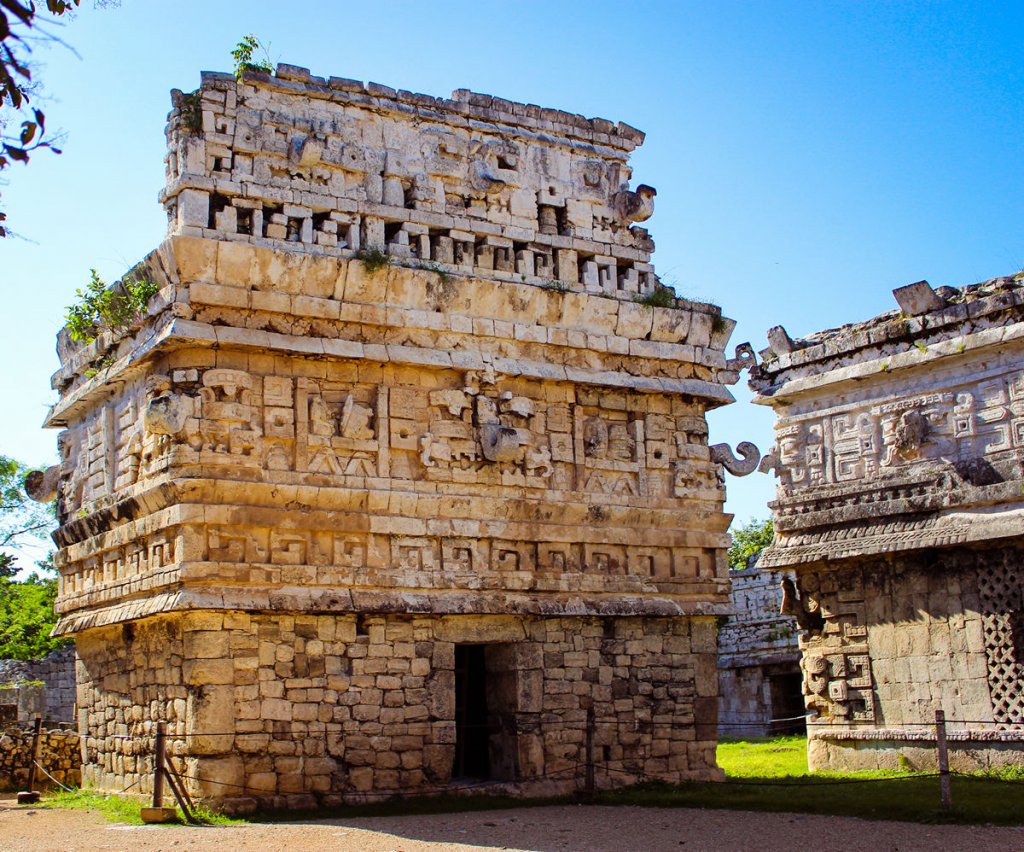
column 59, row 752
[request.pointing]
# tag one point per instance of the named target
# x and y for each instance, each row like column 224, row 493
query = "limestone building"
column 759, row 676
column 396, row 480
column 899, row 450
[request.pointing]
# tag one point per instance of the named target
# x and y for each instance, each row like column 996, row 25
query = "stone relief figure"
column 538, row 462
column 635, row 206
column 305, row 151
column 501, row 443
column 427, row 450
column 42, row 485
column 595, row 437
column 225, row 402
column 805, row 610
column 815, row 675
column 131, row 458
column 486, row 160
column 165, row 412
column 722, row 454
column 443, row 153
column 910, row 433
column 355, row 420
column 478, row 426
column 321, row 422
column 620, row 443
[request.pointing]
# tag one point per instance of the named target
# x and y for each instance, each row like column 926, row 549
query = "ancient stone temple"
column 402, row 475
column 900, row 456
column 759, row 679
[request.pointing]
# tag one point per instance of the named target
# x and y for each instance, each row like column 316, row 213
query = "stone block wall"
column 474, row 183
column 906, row 637
column 59, row 752
column 57, row 672
column 287, row 710
column 755, row 628
column 322, row 507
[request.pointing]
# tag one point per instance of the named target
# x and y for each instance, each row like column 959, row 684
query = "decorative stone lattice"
column 1000, row 591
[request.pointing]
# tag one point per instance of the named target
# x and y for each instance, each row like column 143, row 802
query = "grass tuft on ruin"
column 373, row 259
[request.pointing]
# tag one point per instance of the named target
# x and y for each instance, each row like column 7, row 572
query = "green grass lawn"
column 776, row 757
column 761, row 775
column 123, row 809
column 771, row 775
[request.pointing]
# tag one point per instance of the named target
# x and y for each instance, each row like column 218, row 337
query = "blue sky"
column 809, row 157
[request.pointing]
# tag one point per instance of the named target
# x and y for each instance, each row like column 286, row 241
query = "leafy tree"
column 27, row 616
column 748, row 541
column 26, row 607
column 21, row 518
column 21, row 26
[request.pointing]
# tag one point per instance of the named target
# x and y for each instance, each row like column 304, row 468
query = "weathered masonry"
column 758, row 660
column 396, row 481
column 900, row 455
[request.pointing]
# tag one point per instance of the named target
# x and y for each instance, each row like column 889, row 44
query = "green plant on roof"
column 660, row 297
column 192, row 112
column 373, row 258
column 100, row 307
column 245, row 57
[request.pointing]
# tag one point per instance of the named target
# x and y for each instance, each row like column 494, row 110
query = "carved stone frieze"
column 900, row 461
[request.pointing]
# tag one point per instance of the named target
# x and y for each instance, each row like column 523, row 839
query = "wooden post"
column 589, row 777
column 158, row 765
column 158, row 813
column 945, row 789
column 31, row 796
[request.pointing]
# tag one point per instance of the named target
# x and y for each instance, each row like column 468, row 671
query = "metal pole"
column 945, row 789
column 158, row 766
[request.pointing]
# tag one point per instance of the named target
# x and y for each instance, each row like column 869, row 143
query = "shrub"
column 101, row 308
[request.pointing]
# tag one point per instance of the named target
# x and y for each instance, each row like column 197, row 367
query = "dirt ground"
column 583, row 828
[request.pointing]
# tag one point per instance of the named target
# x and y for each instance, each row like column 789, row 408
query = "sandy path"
column 587, row 829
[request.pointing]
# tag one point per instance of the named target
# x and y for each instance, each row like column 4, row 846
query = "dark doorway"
column 472, row 751
column 787, row 703
column 487, row 686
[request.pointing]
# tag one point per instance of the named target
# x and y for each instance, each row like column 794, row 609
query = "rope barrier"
column 579, row 771
column 42, row 769
column 525, row 725
column 405, row 792
column 636, row 726
column 806, row 782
